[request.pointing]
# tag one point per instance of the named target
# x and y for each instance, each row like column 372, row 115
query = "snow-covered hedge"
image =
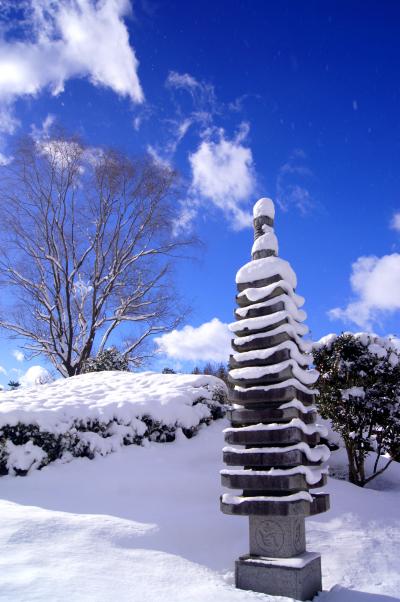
column 359, row 392
column 97, row 413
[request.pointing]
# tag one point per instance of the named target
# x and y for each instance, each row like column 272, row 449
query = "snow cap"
column 264, row 207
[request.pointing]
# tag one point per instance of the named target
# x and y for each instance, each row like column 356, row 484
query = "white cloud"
column 209, row 342
column 19, row 356
column 376, row 283
column 3, row 370
column 395, row 223
column 223, row 173
column 35, row 375
column 70, row 38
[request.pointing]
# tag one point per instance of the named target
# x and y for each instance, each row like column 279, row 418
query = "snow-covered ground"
column 143, row 525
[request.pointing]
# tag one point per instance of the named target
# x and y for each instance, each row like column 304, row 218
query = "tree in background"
column 359, row 387
column 218, row 370
column 13, row 384
column 86, row 251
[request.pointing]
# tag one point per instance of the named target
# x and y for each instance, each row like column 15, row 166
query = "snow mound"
column 97, row 413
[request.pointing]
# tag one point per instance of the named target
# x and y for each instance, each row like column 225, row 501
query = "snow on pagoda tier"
column 274, row 437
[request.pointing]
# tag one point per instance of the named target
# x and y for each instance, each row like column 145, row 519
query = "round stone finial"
column 264, row 207
column 263, row 217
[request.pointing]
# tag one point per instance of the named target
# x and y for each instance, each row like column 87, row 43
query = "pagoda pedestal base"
column 297, row 577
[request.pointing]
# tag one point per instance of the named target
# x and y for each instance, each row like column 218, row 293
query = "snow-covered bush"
column 109, row 359
column 95, row 414
column 359, row 387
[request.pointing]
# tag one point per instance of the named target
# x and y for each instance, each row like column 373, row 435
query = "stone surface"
column 272, row 483
column 276, row 578
column 284, row 436
column 277, row 537
column 280, row 395
column 242, row 417
column 257, row 459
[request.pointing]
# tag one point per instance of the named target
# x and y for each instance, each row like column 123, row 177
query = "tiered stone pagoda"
column 274, row 443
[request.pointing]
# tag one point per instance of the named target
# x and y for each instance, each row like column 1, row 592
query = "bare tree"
column 86, row 250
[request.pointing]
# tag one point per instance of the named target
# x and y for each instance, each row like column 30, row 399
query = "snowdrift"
column 98, row 413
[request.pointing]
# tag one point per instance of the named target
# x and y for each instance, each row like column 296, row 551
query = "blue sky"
column 295, row 101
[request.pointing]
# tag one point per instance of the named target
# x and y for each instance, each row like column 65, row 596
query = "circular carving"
column 270, row 536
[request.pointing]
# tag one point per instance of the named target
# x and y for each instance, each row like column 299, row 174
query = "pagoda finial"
column 265, row 241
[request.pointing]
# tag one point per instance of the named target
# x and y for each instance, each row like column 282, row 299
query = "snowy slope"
column 143, row 525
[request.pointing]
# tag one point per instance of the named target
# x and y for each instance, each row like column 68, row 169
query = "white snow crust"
column 312, row 474
column 353, row 392
column 301, row 358
column 308, row 429
column 379, row 346
column 107, row 396
column 288, row 328
column 299, row 405
column 237, row 500
column 266, row 267
column 319, row 453
column 266, row 242
column 257, row 293
column 307, row 377
column 264, row 206
column 287, row 383
column 269, row 320
column 297, row 562
column 298, row 314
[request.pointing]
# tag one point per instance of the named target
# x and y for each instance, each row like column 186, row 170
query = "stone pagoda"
column 274, row 445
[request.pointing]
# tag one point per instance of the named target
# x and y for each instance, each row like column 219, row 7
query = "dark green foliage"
column 168, row 371
column 109, row 359
column 359, row 392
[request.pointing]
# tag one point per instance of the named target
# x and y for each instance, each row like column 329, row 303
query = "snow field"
column 144, row 524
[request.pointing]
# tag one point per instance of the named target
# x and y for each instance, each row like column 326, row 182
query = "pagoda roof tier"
column 265, row 395
column 261, row 341
column 254, row 376
column 269, row 483
column 242, row 417
column 265, row 437
column 276, row 457
column 270, row 506
column 253, row 295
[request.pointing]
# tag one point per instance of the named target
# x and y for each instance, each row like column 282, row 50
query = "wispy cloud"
column 202, row 94
column 375, row 282
column 19, row 356
column 395, row 222
column 210, row 341
column 292, row 184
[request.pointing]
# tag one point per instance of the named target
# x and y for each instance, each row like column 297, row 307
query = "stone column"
column 274, row 439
